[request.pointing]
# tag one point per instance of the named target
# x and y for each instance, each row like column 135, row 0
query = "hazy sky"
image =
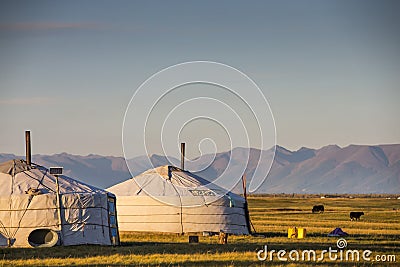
column 329, row 69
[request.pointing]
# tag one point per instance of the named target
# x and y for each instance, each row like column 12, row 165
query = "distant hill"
column 331, row 169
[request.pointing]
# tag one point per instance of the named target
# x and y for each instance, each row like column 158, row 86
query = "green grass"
column 378, row 231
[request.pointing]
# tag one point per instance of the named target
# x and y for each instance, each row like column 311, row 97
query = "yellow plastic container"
column 301, row 232
column 295, row 232
column 292, row 232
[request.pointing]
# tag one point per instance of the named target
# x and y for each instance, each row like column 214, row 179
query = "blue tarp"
column 338, row 232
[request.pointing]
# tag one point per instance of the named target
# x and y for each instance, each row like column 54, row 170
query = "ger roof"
column 18, row 177
column 168, row 181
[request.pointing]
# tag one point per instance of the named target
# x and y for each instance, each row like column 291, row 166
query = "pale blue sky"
column 330, row 69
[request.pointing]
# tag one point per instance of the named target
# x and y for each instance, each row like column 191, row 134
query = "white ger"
column 38, row 209
column 168, row 199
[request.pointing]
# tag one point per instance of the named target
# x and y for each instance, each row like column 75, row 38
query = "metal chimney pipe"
column 28, row 147
column 183, row 156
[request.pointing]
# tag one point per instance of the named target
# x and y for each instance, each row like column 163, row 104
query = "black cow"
column 318, row 208
column 355, row 215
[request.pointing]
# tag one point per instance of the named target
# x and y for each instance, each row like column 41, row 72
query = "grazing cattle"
column 355, row 215
column 318, row 208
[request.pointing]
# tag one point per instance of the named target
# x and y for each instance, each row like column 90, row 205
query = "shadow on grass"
column 148, row 248
column 376, row 243
column 251, row 263
column 128, row 248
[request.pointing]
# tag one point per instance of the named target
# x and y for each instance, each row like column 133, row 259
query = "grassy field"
column 377, row 231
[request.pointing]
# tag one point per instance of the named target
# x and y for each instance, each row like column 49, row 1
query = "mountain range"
column 330, row 169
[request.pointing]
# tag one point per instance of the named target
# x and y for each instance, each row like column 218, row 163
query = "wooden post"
column 244, row 187
column 183, row 156
column 223, row 238
column 246, row 205
column 28, row 147
column 59, row 209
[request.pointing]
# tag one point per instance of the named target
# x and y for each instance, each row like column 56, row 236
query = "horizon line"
column 225, row 151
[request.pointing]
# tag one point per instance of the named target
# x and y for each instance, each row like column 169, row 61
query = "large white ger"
column 39, row 209
column 168, row 199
